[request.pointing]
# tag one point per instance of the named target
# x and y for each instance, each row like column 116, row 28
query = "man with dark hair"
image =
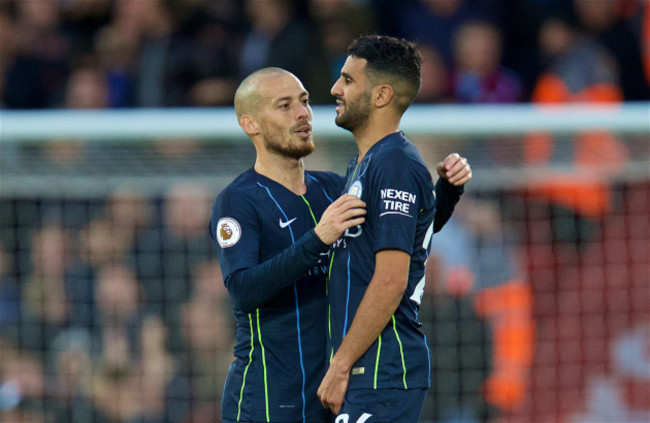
column 273, row 227
column 379, row 361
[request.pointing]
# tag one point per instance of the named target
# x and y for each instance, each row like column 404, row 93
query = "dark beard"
column 356, row 114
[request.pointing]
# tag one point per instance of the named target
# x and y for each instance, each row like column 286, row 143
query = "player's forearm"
column 447, row 196
column 377, row 306
column 251, row 287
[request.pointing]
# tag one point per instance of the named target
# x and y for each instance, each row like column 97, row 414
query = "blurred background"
column 112, row 305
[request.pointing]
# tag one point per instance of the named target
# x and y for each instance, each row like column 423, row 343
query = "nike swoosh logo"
column 287, row 223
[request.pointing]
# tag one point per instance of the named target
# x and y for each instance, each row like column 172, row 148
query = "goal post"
column 536, row 303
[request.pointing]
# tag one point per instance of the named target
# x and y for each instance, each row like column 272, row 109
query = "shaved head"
column 248, row 96
column 273, row 109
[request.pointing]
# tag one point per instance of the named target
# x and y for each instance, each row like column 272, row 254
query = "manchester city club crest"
column 356, row 189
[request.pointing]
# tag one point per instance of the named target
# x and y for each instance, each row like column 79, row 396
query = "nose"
column 303, row 111
column 336, row 89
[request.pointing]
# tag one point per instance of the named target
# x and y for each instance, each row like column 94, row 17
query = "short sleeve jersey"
column 279, row 351
column 393, row 180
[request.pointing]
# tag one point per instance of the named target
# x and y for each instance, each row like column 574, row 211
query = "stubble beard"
column 356, row 114
column 276, row 143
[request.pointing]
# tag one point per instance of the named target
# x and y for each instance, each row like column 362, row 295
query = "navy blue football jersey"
column 281, row 342
column 393, row 180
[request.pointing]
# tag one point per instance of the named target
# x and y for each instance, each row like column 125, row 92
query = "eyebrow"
column 288, row 98
column 346, row 75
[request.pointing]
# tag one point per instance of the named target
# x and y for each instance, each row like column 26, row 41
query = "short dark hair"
column 391, row 60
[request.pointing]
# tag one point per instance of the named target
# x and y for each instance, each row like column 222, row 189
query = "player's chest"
column 283, row 219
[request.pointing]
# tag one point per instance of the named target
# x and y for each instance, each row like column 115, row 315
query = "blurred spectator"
column 156, row 369
column 580, row 71
column 132, row 381
column 116, row 394
column 37, row 56
column 102, row 242
column 71, row 376
column 603, row 19
column 202, row 54
column 129, row 211
column 148, row 25
column 131, row 351
column 181, row 47
column 87, row 88
column 116, row 49
column 8, row 51
column 461, row 349
column 433, row 22
column 478, row 76
column 519, row 24
column 208, row 335
column 339, row 22
column 482, row 266
column 45, row 303
column 169, row 252
column 130, row 216
column 435, row 81
column 335, row 35
column 118, row 298
column 280, row 37
column 22, row 385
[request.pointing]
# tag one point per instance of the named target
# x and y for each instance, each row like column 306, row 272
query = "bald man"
column 272, row 227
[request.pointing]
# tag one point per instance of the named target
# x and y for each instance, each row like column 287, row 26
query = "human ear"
column 383, row 94
column 249, row 125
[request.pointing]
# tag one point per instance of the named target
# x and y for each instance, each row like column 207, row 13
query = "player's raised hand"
column 345, row 212
column 455, row 169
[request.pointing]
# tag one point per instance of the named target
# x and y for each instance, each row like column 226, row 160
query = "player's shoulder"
column 242, row 184
column 240, row 191
column 399, row 150
column 394, row 145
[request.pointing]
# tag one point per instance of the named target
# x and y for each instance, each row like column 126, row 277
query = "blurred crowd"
column 159, row 53
column 114, row 310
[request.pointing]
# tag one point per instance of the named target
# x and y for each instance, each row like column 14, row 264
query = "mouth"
column 303, row 131
column 339, row 104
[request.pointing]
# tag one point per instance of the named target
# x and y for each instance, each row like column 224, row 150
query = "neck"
column 378, row 126
column 290, row 173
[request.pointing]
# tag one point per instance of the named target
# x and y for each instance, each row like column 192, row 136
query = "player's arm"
column 252, row 285
column 381, row 299
column 454, row 173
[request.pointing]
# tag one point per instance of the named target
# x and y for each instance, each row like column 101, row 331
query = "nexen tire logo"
column 397, row 202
